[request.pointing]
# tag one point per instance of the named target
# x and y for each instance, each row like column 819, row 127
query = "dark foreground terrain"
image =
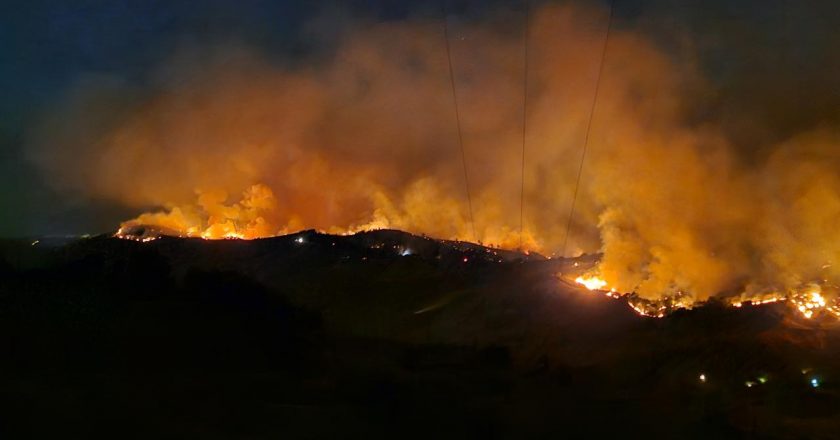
column 381, row 334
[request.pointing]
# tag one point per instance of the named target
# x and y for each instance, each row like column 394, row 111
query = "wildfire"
column 243, row 221
column 807, row 302
column 641, row 306
column 145, row 234
column 231, row 235
column 658, row 312
column 591, row 282
column 812, row 301
column 758, row 302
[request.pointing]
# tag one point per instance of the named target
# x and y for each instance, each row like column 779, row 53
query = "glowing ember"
column 812, row 301
column 646, row 308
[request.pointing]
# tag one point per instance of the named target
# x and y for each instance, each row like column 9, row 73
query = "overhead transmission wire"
column 458, row 117
column 524, row 121
column 588, row 127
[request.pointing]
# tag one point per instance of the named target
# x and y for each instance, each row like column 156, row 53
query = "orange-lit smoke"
column 228, row 144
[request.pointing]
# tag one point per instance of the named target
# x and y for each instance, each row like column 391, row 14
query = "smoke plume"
column 224, row 143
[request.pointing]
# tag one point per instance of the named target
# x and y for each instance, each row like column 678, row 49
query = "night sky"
column 774, row 66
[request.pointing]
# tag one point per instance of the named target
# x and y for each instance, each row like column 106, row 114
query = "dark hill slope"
column 381, row 333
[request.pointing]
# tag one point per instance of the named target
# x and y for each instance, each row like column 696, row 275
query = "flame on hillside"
column 808, row 302
column 222, row 142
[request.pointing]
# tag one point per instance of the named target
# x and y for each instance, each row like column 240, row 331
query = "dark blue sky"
column 766, row 57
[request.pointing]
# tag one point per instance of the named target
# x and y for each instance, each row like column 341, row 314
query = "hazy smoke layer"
column 228, row 144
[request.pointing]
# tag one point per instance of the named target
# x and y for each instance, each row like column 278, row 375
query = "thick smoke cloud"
column 227, row 143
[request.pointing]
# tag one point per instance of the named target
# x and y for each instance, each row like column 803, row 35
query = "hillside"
column 381, row 333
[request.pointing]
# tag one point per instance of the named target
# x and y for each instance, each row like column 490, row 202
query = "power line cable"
column 588, row 127
column 524, row 121
column 458, row 118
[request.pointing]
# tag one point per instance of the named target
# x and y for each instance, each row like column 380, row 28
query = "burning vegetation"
column 809, row 302
column 365, row 139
